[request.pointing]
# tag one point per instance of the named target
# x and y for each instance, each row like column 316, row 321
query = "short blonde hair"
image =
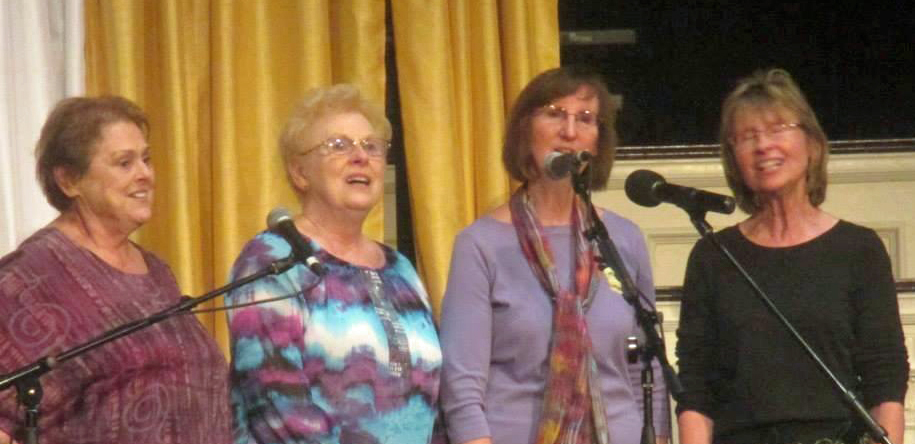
column 323, row 102
column 773, row 90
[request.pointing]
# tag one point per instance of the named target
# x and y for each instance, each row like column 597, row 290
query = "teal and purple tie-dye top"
column 353, row 357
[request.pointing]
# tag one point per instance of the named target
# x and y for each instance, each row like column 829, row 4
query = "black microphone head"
column 277, row 216
column 559, row 165
column 553, row 164
column 640, row 187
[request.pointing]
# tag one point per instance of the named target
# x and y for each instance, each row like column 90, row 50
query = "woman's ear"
column 66, row 181
column 297, row 174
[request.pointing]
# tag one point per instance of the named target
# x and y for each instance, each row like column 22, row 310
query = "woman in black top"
column 745, row 379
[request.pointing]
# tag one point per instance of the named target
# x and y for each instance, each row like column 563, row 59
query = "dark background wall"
column 854, row 60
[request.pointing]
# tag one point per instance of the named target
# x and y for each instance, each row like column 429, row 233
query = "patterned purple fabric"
column 336, row 363
column 163, row 384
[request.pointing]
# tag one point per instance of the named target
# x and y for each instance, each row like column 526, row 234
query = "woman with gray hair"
column 354, row 356
column 745, row 379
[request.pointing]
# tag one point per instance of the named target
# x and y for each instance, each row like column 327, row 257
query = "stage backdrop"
column 218, row 78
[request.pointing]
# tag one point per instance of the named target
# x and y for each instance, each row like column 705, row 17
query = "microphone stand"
column 877, row 433
column 647, row 318
column 26, row 380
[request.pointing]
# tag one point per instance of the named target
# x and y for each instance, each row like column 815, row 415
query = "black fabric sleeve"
column 696, row 334
column 880, row 357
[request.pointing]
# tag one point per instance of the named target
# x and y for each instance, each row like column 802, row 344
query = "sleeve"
column 880, row 357
column 466, row 336
column 269, row 386
column 644, row 280
column 695, row 335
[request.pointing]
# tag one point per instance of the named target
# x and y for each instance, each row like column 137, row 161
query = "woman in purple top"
column 533, row 336
column 81, row 276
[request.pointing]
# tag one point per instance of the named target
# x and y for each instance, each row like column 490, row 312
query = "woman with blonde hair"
column 745, row 379
column 354, row 356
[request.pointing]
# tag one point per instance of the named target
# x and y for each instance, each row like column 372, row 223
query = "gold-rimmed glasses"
column 342, row 145
column 558, row 115
column 778, row 131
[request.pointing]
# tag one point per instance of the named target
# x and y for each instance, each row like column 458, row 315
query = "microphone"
column 280, row 222
column 649, row 189
column 559, row 165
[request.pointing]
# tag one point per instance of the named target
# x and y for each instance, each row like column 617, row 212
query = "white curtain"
column 41, row 62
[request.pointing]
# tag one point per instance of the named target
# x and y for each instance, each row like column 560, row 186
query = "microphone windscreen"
column 554, row 165
column 276, row 216
column 640, row 187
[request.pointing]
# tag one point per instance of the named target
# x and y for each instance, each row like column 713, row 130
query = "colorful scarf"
column 573, row 410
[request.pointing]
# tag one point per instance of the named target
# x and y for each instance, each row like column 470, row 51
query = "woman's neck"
column 110, row 244
column 340, row 233
column 552, row 201
column 786, row 222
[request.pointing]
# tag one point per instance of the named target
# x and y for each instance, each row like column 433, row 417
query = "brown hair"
column 543, row 89
column 774, row 90
column 69, row 135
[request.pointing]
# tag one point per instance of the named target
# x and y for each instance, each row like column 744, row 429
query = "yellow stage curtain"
column 218, row 79
column 460, row 65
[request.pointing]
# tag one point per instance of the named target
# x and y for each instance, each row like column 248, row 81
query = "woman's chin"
column 138, row 220
column 363, row 203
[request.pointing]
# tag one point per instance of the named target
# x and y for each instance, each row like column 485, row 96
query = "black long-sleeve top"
column 738, row 364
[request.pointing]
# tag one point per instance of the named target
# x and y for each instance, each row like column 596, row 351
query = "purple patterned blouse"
column 164, row 384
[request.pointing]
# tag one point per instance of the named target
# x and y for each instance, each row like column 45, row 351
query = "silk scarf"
column 573, row 410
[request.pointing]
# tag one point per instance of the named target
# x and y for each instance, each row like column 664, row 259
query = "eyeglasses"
column 373, row 146
column 777, row 131
column 558, row 115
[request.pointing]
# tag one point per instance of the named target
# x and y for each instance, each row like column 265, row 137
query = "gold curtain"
column 460, row 65
column 218, row 78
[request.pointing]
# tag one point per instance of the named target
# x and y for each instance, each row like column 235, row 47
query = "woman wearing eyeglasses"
column 745, row 379
column 353, row 357
column 533, row 336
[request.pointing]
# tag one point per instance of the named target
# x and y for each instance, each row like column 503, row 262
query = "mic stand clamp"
column 877, row 433
column 647, row 319
column 26, row 377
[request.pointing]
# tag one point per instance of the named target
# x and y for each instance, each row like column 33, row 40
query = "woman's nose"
column 569, row 128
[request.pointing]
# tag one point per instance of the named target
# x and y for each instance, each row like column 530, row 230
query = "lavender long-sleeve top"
column 496, row 328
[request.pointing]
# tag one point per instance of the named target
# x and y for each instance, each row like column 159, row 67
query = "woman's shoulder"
column 397, row 261
column 263, row 248
column 37, row 250
column 854, row 235
column 617, row 223
column 844, row 228
column 261, row 252
column 502, row 213
column 492, row 225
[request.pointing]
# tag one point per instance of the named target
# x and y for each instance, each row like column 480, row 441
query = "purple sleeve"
column 642, row 275
column 466, row 335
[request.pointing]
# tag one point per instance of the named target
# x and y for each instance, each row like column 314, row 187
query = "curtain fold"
column 460, row 65
column 218, row 79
